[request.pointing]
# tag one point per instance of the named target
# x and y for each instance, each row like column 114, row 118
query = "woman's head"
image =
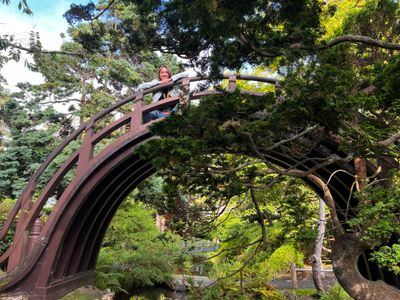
column 164, row 73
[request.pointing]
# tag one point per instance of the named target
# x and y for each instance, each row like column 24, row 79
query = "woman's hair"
column 168, row 70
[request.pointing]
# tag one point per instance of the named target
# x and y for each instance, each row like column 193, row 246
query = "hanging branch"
column 260, row 216
column 234, row 248
column 245, row 264
column 213, row 222
column 103, row 11
column 337, row 227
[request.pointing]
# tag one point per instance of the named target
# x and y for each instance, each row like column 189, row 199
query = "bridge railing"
column 29, row 205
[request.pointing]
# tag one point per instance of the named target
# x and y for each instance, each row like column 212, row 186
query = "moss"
column 306, row 292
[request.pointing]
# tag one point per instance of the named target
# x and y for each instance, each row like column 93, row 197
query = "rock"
column 90, row 293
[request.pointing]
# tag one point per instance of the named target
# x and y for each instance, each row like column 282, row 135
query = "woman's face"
column 164, row 74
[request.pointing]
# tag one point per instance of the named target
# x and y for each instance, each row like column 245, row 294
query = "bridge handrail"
column 26, row 195
column 169, row 84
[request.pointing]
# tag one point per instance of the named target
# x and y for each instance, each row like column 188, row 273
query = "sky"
column 47, row 19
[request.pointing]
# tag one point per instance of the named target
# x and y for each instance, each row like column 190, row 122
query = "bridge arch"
column 62, row 255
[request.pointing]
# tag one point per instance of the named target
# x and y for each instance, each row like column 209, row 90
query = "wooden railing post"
column 295, row 284
column 86, row 151
column 232, row 83
column 20, row 236
column 26, row 205
column 34, row 234
column 186, row 92
column 137, row 116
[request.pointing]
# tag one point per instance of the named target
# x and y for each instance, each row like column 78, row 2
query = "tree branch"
column 233, row 170
column 37, row 50
column 349, row 38
column 293, row 171
column 243, row 38
column 59, row 101
column 295, row 137
column 326, row 249
column 213, row 222
column 337, row 227
column 245, row 264
column 332, row 159
column 233, row 248
column 103, row 11
column 260, row 216
column 391, row 140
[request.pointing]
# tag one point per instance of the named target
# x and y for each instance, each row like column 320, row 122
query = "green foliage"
column 228, row 292
column 151, row 192
column 335, row 14
column 187, row 29
column 388, row 257
column 297, row 207
column 377, row 219
column 376, row 19
column 210, row 125
column 134, row 252
column 107, row 275
column 33, row 132
column 78, row 12
column 336, row 292
column 305, row 292
column 280, row 260
column 5, row 207
column 348, row 92
column 240, row 235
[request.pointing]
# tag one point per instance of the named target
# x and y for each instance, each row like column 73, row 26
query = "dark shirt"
column 166, row 94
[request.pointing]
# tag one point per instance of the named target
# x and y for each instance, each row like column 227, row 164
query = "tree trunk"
column 360, row 166
column 241, row 282
column 162, row 221
column 316, row 258
column 346, row 250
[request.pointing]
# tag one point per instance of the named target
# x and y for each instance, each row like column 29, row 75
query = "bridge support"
column 64, row 286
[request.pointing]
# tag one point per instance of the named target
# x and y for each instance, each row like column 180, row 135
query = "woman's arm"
column 179, row 76
column 147, row 85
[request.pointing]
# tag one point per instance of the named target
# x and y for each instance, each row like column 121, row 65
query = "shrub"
column 336, row 292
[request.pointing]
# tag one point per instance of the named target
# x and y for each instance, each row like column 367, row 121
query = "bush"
column 232, row 291
column 135, row 253
column 279, row 262
column 5, row 207
column 336, row 292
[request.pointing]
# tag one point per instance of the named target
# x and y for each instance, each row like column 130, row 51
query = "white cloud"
column 48, row 21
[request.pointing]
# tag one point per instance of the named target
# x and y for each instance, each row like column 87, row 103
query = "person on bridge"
column 164, row 76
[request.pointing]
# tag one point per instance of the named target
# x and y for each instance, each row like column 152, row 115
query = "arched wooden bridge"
column 49, row 258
